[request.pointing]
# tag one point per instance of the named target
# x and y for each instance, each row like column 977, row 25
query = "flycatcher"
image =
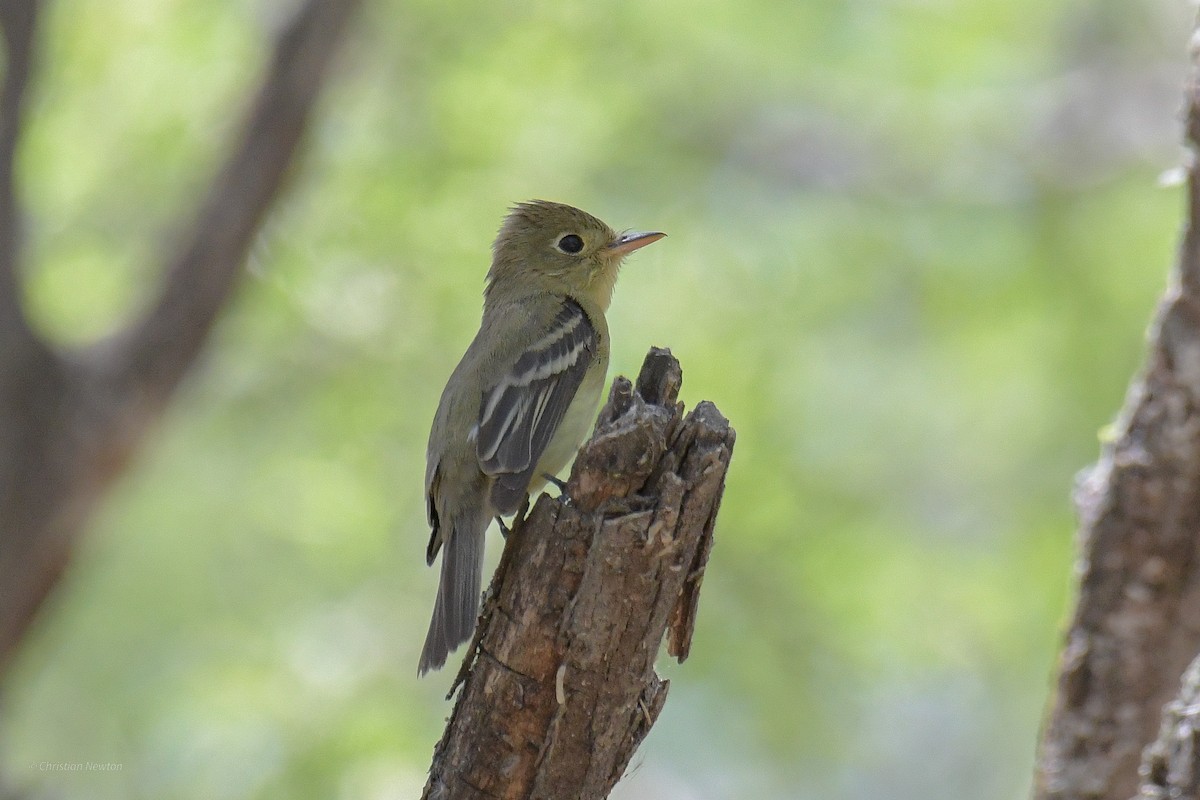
column 523, row 396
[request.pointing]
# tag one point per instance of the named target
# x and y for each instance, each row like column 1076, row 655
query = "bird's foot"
column 561, row 484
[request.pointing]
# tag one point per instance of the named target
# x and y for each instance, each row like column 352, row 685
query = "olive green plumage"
column 523, row 396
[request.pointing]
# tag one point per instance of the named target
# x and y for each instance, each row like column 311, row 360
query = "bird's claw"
column 561, row 484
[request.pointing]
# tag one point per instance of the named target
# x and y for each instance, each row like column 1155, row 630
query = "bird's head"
column 554, row 246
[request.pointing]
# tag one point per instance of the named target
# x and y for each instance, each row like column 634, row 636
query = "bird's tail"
column 458, row 592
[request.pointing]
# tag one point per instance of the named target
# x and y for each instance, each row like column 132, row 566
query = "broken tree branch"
column 1136, row 624
column 152, row 355
column 559, row 687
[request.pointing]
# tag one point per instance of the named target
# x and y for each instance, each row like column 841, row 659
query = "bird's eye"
column 570, row 244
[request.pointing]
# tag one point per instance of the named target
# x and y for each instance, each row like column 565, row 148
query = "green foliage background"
column 914, row 245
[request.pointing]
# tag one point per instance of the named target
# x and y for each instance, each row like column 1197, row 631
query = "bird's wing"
column 431, row 513
column 520, row 413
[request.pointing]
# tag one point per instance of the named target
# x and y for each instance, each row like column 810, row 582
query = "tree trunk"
column 1136, row 625
column 69, row 421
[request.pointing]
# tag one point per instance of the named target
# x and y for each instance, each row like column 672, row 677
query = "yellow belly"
column 576, row 424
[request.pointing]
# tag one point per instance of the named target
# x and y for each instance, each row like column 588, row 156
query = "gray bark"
column 1136, row 623
column 1171, row 766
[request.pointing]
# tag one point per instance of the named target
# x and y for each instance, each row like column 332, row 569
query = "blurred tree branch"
column 1136, row 625
column 559, row 688
column 69, row 420
column 18, row 20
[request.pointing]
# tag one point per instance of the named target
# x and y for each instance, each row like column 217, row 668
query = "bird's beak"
column 626, row 243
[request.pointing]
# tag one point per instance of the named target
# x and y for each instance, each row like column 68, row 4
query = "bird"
column 523, row 396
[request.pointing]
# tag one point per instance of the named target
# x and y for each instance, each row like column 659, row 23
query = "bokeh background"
column 914, row 246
